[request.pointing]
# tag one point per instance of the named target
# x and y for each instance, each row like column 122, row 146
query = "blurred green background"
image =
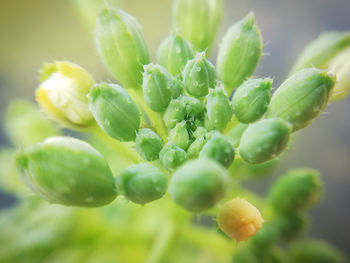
column 32, row 32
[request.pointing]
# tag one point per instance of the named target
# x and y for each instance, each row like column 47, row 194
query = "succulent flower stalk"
column 115, row 111
column 199, row 75
column 264, row 140
column 173, row 53
column 62, row 94
column 198, row 21
column 198, row 185
column 121, row 45
column 67, row 171
column 302, row 97
column 239, row 53
column 142, row 183
column 239, row 219
column 251, row 99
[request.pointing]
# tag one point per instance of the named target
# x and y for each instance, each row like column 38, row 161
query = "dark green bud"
column 235, row 134
column 173, row 54
column 295, row 191
column 198, row 21
column 251, row 99
column 302, row 97
column 175, row 112
column 291, row 226
column 172, row 156
column 121, row 45
column 218, row 109
column 322, row 50
column 315, row 251
column 198, row 185
column 179, row 135
column 195, row 148
column 199, row 75
column 67, row 171
column 142, row 183
column 264, row 140
column 148, row 144
column 219, row 149
column 239, row 53
column 115, row 112
column 157, row 87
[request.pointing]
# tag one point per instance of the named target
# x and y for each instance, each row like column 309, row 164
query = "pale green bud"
column 198, row 185
column 295, row 191
column 24, row 124
column 62, row 94
column 235, row 134
column 179, row 135
column 148, row 144
column 218, row 109
column 314, row 251
column 251, row 99
column 302, row 97
column 199, row 75
column 173, row 54
column 115, row 111
column 239, row 53
column 172, row 156
column 156, row 86
column 199, row 132
column 196, row 146
column 340, row 66
column 121, row 45
column 322, row 50
column 67, row 171
column 219, row 149
column 264, row 140
column 175, row 112
column 142, row 183
column 198, row 21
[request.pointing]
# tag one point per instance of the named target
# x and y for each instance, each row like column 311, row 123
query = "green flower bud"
column 218, row 109
column 219, row 149
column 235, row 134
column 173, row 54
column 340, row 66
column 175, row 112
column 302, row 97
column 200, row 132
column 199, row 75
column 198, row 185
column 322, row 50
column 121, row 45
column 195, row 147
column 194, row 107
column 67, row 171
column 265, row 238
column 62, row 94
column 115, row 112
column 179, row 135
column 157, row 88
column 239, row 219
column 142, row 183
column 295, row 191
column 177, row 88
column 291, row 226
column 198, row 21
column 314, row 251
column 264, row 140
column 251, row 99
column 172, row 156
column 148, row 144
column 24, row 124
column 239, row 53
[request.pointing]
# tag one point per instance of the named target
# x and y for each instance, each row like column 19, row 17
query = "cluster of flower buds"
column 178, row 116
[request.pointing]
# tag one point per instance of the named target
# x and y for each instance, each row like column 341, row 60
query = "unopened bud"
column 218, row 109
column 340, row 66
column 172, row 156
column 148, row 144
column 179, row 135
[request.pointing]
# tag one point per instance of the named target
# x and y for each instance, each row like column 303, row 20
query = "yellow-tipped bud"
column 62, row 94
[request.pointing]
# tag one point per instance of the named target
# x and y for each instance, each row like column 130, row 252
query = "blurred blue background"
column 32, row 32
